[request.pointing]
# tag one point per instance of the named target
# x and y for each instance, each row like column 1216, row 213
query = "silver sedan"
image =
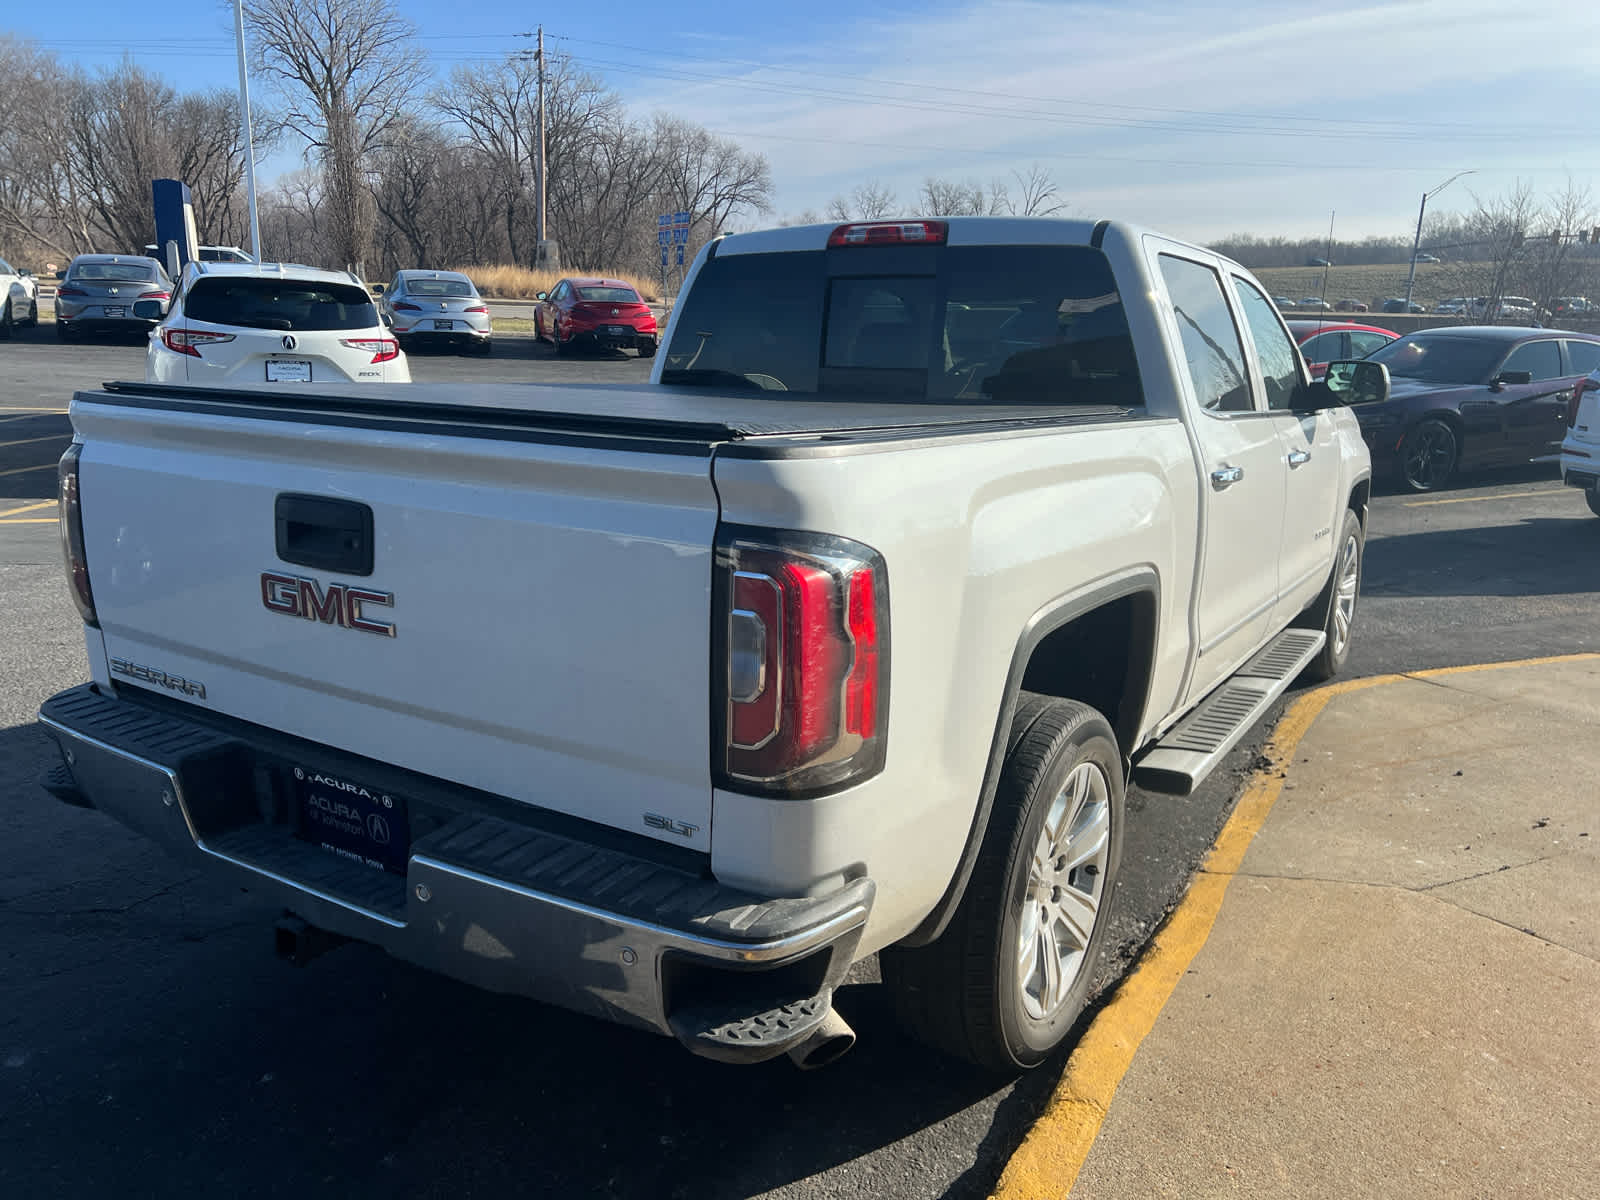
column 439, row 308
column 98, row 291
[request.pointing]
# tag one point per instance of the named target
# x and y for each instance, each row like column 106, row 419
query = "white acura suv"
column 1580, row 451
column 260, row 324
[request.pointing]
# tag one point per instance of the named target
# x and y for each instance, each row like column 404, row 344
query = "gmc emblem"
column 339, row 605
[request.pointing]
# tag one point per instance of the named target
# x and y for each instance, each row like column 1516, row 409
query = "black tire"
column 484, row 348
column 562, row 348
column 1335, row 609
column 1592, row 495
column 1428, row 455
column 963, row 993
column 33, row 314
column 6, row 330
column 647, row 351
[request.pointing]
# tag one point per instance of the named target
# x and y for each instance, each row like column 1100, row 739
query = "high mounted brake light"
column 801, row 682
column 72, row 552
column 889, row 233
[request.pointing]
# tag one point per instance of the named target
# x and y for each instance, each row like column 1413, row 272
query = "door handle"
column 1299, row 458
column 1226, row 477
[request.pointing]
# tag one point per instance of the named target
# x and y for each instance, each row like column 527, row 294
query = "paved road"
column 152, row 1044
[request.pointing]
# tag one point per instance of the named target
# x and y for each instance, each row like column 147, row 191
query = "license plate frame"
column 619, row 330
column 443, row 323
column 351, row 820
column 114, row 310
column 288, row 370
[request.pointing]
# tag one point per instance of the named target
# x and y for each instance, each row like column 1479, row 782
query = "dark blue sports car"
column 1465, row 397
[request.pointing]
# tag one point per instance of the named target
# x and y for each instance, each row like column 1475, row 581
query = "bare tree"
column 1555, row 258
column 710, row 178
column 869, row 201
column 347, row 70
column 1040, row 196
column 949, row 198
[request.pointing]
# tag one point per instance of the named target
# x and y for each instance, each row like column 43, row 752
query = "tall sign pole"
column 542, row 165
column 249, row 145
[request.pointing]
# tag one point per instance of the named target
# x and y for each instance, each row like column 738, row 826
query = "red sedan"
column 595, row 313
column 1323, row 342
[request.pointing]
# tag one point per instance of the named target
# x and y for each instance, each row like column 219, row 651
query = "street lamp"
column 1416, row 242
column 249, row 145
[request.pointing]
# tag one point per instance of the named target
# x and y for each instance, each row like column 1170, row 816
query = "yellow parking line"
column 1475, row 499
column 29, row 521
column 1049, row 1159
column 11, row 512
column 31, row 412
column 24, row 470
column 55, row 437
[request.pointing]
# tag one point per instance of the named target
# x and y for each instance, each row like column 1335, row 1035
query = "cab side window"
column 1212, row 350
column 1280, row 362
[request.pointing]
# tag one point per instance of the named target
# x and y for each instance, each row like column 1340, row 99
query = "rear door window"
column 1280, row 365
column 1211, row 346
column 286, row 304
column 1363, row 344
column 1582, row 357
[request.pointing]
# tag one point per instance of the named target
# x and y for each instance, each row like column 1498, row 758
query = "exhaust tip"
column 828, row 1043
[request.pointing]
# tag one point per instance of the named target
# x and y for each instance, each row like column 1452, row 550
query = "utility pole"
column 249, row 145
column 1416, row 242
column 539, row 58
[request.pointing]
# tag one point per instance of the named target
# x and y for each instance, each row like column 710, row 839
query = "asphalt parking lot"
column 153, row 1044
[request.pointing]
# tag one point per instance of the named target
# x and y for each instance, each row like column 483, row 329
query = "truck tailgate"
column 549, row 597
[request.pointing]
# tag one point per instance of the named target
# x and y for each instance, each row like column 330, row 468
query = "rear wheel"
column 555, row 336
column 1592, row 495
column 5, row 322
column 1005, row 983
column 1428, row 455
column 647, row 351
column 33, row 314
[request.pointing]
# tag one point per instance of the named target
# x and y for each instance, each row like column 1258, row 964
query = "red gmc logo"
column 339, row 605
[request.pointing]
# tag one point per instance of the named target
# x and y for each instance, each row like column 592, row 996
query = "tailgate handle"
column 331, row 535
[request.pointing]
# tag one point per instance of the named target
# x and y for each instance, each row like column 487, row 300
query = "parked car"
column 1348, row 305
column 595, row 314
column 1282, row 302
column 1322, row 342
column 208, row 253
column 1399, row 304
column 1316, row 302
column 1473, row 396
column 19, row 300
column 1318, row 262
column 1457, row 306
column 1580, row 451
column 98, row 294
column 1507, row 308
column 1576, row 306
column 1425, row 258
column 248, row 325
column 440, row 308
column 672, row 703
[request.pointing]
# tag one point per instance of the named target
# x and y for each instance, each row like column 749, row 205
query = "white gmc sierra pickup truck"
column 668, row 703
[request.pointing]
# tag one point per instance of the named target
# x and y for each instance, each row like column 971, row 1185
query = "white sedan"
column 19, row 299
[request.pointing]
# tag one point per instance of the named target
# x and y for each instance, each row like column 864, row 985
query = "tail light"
column 402, row 306
column 189, row 341
column 71, row 515
column 477, row 308
column 1587, row 384
column 801, row 680
column 889, row 233
column 70, row 291
column 383, row 349
column 155, row 295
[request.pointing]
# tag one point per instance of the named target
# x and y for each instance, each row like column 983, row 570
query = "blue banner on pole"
column 664, row 236
column 663, row 258
column 681, row 234
column 680, row 255
column 664, row 220
column 680, row 218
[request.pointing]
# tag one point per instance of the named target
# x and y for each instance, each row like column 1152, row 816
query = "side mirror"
column 1348, row 382
column 377, row 289
column 61, row 274
column 148, row 310
column 541, row 295
column 388, row 319
column 1510, row 378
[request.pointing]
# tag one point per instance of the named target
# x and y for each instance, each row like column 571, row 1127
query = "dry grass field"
column 519, row 283
column 1372, row 284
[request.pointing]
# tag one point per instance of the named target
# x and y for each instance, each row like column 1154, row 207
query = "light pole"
column 249, row 145
column 1416, row 242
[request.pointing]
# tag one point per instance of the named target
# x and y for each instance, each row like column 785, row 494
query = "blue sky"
column 1200, row 118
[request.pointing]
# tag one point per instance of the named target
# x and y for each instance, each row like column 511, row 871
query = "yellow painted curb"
column 1047, row 1162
